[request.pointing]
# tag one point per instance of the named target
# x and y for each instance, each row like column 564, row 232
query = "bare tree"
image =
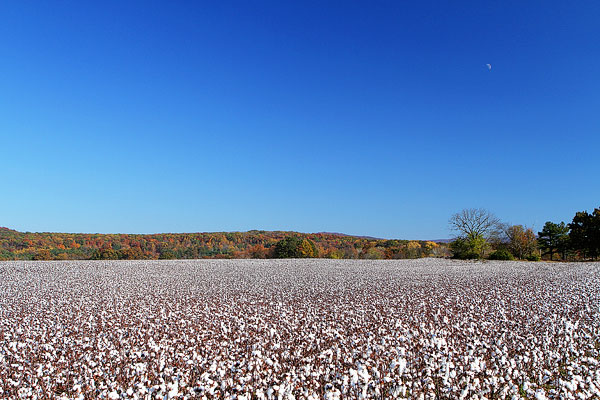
column 475, row 222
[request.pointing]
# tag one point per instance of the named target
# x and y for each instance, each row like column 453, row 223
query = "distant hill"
column 344, row 234
column 443, row 240
column 16, row 245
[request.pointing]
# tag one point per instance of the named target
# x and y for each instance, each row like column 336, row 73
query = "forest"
column 480, row 235
column 16, row 245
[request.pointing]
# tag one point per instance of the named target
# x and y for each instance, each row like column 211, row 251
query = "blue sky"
column 371, row 118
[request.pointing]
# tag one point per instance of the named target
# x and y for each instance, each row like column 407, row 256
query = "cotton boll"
column 217, row 327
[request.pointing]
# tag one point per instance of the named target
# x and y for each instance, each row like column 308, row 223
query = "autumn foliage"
column 16, row 245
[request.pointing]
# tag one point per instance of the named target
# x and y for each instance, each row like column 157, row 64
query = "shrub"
column 130, row 253
column 374, row 253
column 470, row 247
column 258, row 251
column 167, row 254
column 43, row 255
column 105, row 254
column 501, row 254
column 533, row 257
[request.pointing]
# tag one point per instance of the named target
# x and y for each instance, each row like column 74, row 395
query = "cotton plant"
column 299, row 329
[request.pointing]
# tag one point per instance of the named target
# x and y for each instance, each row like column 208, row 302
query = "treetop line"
column 482, row 235
column 252, row 244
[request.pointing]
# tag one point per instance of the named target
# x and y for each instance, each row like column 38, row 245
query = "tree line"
column 482, row 235
column 16, row 245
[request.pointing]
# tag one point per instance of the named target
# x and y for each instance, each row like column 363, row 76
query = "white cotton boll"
column 173, row 389
column 399, row 363
column 376, row 373
column 333, row 395
column 363, row 373
column 475, row 365
column 571, row 385
column 353, row 377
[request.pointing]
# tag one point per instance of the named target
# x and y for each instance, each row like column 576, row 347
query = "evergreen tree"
column 553, row 237
column 595, row 233
column 585, row 233
column 579, row 232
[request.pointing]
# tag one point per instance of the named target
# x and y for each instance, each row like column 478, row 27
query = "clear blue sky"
column 373, row 118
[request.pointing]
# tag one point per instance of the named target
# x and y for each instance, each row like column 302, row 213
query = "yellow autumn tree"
column 413, row 249
column 307, row 249
column 429, row 248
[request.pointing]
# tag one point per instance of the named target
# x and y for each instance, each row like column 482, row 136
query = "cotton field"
column 299, row 329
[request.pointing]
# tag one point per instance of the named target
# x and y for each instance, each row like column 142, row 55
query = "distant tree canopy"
column 16, row 245
column 476, row 227
column 471, row 246
column 295, row 247
column 522, row 242
column 106, row 253
column 554, row 238
column 578, row 240
column 584, row 235
column 481, row 235
column 474, row 222
column 502, row 254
